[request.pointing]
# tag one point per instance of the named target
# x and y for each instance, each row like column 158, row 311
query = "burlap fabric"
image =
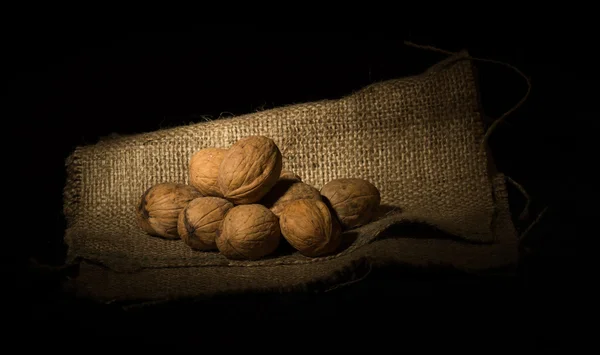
column 418, row 139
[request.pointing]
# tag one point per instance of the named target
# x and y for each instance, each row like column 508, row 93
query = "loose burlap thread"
column 416, row 138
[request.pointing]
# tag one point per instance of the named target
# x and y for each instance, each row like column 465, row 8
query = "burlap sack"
column 418, row 139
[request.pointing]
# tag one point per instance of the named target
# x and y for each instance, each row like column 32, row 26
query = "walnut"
column 248, row 232
column 286, row 191
column 249, row 169
column 288, row 175
column 354, row 201
column 204, row 170
column 199, row 221
column 160, row 205
column 309, row 227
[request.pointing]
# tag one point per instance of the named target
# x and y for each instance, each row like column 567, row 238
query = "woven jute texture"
column 418, row 139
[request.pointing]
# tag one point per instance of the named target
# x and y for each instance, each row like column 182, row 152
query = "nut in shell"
column 289, row 175
column 204, row 170
column 199, row 221
column 286, row 191
column 354, row 201
column 248, row 232
column 310, row 228
column 249, row 169
column 159, row 208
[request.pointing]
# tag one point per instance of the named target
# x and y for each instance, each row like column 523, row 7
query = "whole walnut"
column 286, row 191
column 354, row 201
column 199, row 221
column 310, row 228
column 204, row 170
column 160, row 205
column 289, row 175
column 249, row 169
column 248, row 232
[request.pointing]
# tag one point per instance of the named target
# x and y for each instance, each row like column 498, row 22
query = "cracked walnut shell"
column 249, row 169
column 199, row 221
column 310, row 228
column 248, row 232
column 160, row 205
column 204, row 170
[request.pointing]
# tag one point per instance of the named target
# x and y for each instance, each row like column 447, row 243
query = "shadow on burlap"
column 418, row 139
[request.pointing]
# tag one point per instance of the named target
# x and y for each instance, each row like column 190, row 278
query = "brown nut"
column 310, row 228
column 248, row 232
column 160, row 205
column 204, row 170
column 249, row 169
column 289, row 175
column 354, row 201
column 286, row 191
column 199, row 221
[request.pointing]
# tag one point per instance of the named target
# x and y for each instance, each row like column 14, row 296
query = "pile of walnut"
column 239, row 201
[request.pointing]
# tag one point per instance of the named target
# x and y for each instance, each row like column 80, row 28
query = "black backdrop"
column 70, row 88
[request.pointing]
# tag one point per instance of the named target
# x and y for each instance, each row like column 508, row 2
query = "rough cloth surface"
column 418, row 139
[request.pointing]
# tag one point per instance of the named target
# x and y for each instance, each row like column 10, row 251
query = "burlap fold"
column 418, row 139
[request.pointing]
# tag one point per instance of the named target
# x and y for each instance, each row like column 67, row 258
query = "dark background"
column 70, row 87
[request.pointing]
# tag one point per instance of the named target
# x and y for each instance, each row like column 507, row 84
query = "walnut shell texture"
column 354, row 201
column 248, row 232
column 286, row 191
column 310, row 228
column 249, row 169
column 204, row 170
column 289, row 175
column 199, row 221
column 160, row 205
